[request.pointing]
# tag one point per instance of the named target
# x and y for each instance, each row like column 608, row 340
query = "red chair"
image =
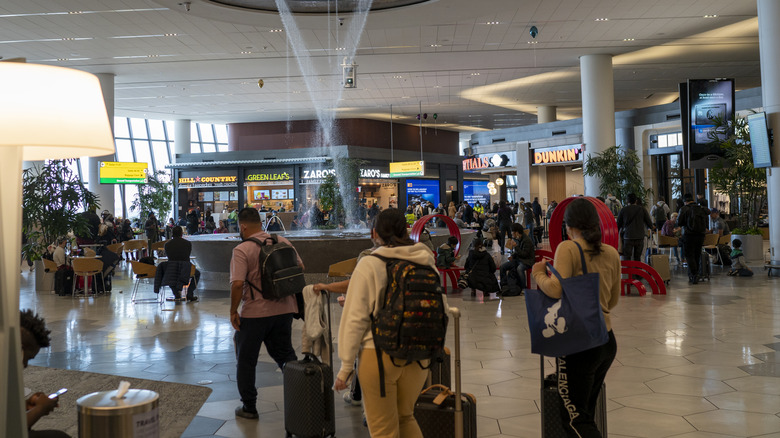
column 634, row 268
column 453, row 273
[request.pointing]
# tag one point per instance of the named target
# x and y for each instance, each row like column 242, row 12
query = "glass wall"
column 151, row 141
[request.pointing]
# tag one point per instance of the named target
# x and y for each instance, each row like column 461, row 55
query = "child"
column 739, row 267
column 445, row 254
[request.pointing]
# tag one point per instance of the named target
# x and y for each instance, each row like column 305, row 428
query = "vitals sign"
column 474, row 191
column 710, row 101
column 422, row 190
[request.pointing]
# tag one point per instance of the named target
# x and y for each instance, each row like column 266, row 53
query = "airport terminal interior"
column 239, row 105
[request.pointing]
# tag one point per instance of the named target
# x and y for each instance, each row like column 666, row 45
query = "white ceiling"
column 205, row 64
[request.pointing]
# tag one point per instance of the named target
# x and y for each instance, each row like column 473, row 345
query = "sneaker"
column 193, row 299
column 350, row 401
column 241, row 412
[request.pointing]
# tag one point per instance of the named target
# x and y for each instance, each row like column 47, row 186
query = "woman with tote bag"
column 581, row 374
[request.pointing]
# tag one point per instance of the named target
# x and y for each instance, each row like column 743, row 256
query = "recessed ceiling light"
column 170, row 34
column 276, row 30
column 152, row 56
column 62, row 59
column 245, row 52
column 711, row 16
column 435, row 45
column 68, row 39
column 397, row 77
column 533, row 42
column 75, row 12
column 437, row 86
column 341, row 48
column 475, row 74
column 404, row 97
column 602, row 19
column 493, row 22
column 629, row 39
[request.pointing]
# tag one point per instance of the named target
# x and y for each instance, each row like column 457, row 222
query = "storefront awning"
column 305, row 160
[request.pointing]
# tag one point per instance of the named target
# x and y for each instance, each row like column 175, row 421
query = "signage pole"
column 391, row 133
column 419, row 116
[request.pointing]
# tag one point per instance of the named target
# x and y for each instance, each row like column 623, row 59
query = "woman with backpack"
column 388, row 401
column 583, row 372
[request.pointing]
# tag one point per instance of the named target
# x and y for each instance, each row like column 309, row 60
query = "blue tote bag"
column 570, row 324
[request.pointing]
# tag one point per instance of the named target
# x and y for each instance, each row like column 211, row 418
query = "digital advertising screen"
column 262, row 195
column 474, row 191
column 422, row 189
column 709, row 100
column 759, row 140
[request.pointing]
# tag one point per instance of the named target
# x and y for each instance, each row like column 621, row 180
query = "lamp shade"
column 52, row 112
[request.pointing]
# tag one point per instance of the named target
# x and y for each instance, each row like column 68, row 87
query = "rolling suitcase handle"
column 455, row 312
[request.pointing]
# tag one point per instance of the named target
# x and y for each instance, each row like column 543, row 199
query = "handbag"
column 571, row 324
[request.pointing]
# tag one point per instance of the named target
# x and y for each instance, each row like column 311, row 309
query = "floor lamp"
column 46, row 113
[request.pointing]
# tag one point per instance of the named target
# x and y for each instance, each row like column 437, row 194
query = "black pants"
column 692, row 250
column 276, row 333
column 632, row 249
column 503, row 231
column 580, row 377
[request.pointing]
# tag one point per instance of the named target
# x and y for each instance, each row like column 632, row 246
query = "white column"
column 769, row 41
column 546, row 114
column 598, row 111
column 105, row 192
column 523, row 170
column 182, row 140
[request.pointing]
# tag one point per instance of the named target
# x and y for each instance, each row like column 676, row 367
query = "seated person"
column 59, row 254
column 35, row 336
column 738, row 265
column 521, row 258
column 178, row 250
column 222, row 227
column 717, row 224
column 480, row 270
column 445, row 254
column 670, row 229
column 274, row 224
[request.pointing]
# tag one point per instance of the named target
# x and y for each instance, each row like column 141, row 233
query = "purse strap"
column 582, row 260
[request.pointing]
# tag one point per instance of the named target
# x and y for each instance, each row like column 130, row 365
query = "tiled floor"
column 700, row 362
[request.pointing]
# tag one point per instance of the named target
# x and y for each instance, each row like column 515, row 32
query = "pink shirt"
column 244, row 265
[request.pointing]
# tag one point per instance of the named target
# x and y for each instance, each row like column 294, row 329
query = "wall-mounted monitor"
column 262, row 195
column 418, row 190
column 280, row 194
column 760, row 142
column 112, row 172
column 710, row 103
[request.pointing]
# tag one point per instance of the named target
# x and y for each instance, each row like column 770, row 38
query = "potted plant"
column 618, row 170
column 745, row 185
column 52, row 198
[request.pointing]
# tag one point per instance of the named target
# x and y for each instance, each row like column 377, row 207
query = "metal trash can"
column 136, row 415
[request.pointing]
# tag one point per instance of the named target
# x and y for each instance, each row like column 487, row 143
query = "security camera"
column 341, row 21
column 534, row 32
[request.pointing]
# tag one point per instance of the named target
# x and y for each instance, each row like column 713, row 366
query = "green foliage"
column 736, row 176
column 328, row 194
column 618, row 170
column 52, row 196
column 746, row 231
column 154, row 196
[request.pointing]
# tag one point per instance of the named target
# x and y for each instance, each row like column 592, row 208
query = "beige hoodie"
column 364, row 297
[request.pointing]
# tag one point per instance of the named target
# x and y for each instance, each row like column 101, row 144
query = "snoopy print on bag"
column 555, row 324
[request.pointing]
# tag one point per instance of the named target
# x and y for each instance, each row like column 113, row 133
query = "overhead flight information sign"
column 407, row 168
column 112, row 172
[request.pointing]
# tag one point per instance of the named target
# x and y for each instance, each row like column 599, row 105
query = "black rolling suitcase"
column 308, row 394
column 63, row 282
column 439, row 412
column 552, row 405
column 705, row 266
column 441, row 370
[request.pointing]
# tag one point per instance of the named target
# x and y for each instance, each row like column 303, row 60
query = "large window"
column 151, row 141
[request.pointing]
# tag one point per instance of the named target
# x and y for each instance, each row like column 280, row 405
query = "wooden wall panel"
column 556, row 183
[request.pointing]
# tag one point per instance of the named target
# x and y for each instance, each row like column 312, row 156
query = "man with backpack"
column 693, row 220
column 660, row 213
column 260, row 320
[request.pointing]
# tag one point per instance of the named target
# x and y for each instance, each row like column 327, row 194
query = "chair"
column 143, row 271
column 157, row 249
column 89, row 252
column 116, row 248
column 667, row 242
column 343, row 268
column 182, row 294
column 453, row 273
column 136, row 248
column 711, row 244
column 87, row 268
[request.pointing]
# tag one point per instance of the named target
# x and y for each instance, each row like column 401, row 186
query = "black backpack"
column 659, row 214
column 281, row 276
column 412, row 322
column 697, row 220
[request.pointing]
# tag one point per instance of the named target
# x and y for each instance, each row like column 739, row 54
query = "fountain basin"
column 318, row 248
